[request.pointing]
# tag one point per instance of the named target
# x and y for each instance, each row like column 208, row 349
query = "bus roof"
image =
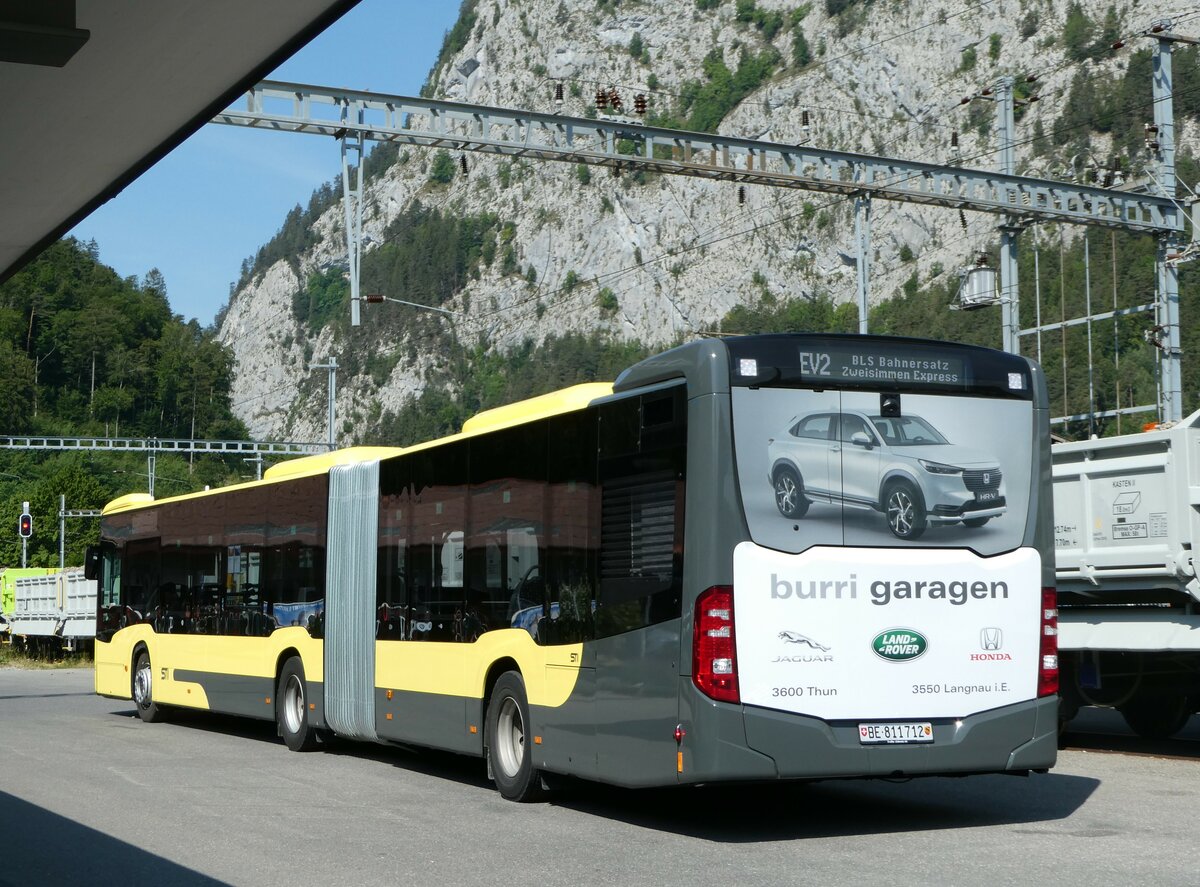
column 566, row 400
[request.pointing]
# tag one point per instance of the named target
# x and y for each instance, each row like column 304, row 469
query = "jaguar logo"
column 794, row 637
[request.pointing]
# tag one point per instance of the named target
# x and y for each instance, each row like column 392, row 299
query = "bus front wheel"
column 143, row 691
column 509, row 751
column 291, row 708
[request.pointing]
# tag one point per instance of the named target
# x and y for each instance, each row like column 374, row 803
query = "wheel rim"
column 900, row 512
column 786, row 493
column 141, row 685
column 510, row 737
column 293, row 704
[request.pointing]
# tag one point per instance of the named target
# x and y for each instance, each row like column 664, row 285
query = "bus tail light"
column 1048, row 649
column 714, row 657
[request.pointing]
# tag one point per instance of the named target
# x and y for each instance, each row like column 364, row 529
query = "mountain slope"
column 539, row 252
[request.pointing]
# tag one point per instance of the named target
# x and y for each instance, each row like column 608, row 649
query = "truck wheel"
column 509, row 743
column 905, row 510
column 1157, row 713
column 143, row 691
column 789, row 493
column 291, row 708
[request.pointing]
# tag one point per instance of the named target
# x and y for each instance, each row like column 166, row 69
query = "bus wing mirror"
column 91, row 563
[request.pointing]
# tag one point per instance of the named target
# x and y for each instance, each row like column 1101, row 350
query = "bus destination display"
column 880, row 364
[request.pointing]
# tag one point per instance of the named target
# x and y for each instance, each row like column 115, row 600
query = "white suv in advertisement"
column 899, row 465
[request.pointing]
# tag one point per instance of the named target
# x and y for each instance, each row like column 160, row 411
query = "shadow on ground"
column 41, row 847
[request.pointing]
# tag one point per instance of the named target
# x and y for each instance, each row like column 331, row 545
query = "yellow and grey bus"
column 769, row 557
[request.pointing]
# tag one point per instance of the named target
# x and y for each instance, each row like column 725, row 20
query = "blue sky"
column 224, row 192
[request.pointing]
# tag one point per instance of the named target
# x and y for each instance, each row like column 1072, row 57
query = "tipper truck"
column 1126, row 530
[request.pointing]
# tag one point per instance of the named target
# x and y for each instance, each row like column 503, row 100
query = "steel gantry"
column 254, row 450
column 353, row 117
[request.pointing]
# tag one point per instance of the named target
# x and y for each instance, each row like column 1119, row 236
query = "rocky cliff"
column 656, row 258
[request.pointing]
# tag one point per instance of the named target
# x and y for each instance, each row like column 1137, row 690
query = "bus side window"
column 642, row 484
column 573, row 529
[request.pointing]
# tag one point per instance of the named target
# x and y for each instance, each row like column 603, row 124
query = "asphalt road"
column 90, row 795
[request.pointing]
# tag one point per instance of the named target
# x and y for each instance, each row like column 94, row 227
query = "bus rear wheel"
column 509, row 751
column 291, row 708
column 143, row 691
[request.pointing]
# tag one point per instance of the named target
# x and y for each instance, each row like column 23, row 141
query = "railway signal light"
column 25, row 525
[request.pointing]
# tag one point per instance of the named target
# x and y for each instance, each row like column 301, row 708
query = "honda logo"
column 987, row 477
column 991, row 639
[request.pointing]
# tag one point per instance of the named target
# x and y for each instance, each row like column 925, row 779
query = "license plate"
column 987, row 496
column 898, row 733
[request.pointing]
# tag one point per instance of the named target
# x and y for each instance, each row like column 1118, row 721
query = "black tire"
column 1157, row 713
column 789, row 493
column 509, row 746
column 975, row 521
column 904, row 509
column 142, row 690
column 291, row 708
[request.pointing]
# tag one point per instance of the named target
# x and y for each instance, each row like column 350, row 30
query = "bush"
column 606, row 301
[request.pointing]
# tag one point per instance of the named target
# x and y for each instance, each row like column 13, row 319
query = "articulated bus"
column 770, row 557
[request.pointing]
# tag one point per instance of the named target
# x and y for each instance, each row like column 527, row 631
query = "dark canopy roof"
column 93, row 93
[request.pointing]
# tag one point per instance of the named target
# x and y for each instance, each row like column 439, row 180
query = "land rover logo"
column 899, row 644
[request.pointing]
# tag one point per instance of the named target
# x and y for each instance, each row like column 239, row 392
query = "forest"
column 86, row 352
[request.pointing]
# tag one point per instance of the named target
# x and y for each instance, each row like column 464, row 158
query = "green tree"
column 441, row 171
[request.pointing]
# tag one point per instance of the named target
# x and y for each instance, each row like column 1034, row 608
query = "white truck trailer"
column 1127, row 528
column 57, row 608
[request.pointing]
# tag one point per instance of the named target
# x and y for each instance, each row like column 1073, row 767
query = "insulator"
column 639, row 103
column 462, row 162
column 1033, row 98
column 804, row 121
column 601, row 99
column 1158, row 28
column 966, row 101
column 614, row 99
column 1032, row 78
column 962, row 219
column 741, row 195
column 1120, row 44
column 616, row 170
column 558, row 93
column 987, row 91
column 954, row 139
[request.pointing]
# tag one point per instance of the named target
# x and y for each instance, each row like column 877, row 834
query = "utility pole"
column 862, row 237
column 1009, row 230
column 353, row 143
column 63, row 514
column 332, row 367
column 1160, row 139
